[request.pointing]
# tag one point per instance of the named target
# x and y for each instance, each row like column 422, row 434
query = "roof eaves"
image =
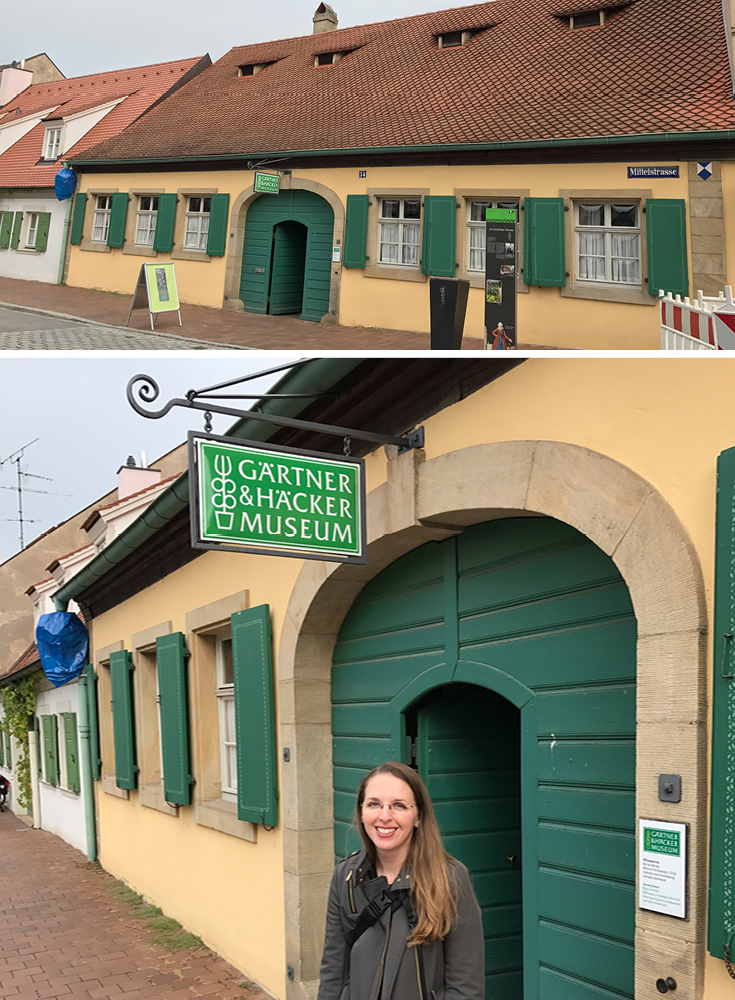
column 316, row 375
column 708, row 135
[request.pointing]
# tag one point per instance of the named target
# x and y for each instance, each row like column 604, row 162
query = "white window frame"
column 226, row 705
column 101, row 220
column 403, row 224
column 52, row 142
column 145, row 221
column 31, row 231
column 607, row 230
column 475, row 227
column 196, row 226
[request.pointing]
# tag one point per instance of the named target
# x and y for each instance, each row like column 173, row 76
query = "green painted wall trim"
column 710, row 135
column 314, row 376
column 721, row 923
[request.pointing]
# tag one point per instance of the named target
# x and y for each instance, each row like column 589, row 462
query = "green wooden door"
column 523, row 604
column 287, row 269
column 264, row 215
column 468, row 752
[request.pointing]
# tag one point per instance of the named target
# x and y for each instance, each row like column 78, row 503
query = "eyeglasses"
column 372, row 805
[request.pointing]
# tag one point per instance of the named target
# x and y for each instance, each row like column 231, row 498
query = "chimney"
column 132, row 478
column 324, row 19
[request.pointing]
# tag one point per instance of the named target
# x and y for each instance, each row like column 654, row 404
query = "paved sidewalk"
column 24, row 330
column 64, row 936
column 282, row 333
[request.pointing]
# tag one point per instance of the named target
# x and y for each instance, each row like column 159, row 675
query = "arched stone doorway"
column 627, row 518
column 330, row 233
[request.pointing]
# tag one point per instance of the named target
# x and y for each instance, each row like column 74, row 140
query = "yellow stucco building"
column 383, row 146
column 538, row 627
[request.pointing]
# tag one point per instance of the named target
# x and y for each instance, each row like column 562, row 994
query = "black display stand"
column 448, row 306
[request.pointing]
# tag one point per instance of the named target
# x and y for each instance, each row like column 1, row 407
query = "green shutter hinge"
column 191, row 779
column 136, row 769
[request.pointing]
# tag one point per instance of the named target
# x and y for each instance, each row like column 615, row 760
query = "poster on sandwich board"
column 156, row 291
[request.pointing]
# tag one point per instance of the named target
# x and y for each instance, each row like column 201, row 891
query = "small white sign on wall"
column 662, row 867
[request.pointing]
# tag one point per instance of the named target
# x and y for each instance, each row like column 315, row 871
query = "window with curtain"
column 608, row 242
column 226, row 700
column 102, row 212
column 145, row 229
column 197, row 223
column 400, row 231
column 476, row 230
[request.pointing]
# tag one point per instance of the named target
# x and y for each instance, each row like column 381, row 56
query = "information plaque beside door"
column 662, row 867
column 272, row 500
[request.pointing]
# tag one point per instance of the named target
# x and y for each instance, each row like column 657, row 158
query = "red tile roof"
column 138, row 89
column 655, row 66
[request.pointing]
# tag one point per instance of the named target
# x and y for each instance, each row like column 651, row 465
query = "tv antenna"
column 21, row 488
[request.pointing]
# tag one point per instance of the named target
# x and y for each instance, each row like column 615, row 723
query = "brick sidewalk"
column 64, row 936
column 273, row 333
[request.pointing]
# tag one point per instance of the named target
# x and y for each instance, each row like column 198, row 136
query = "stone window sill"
column 220, row 815
column 109, row 786
column 95, row 246
column 197, row 255
column 394, row 273
column 140, row 251
column 152, row 797
column 600, row 293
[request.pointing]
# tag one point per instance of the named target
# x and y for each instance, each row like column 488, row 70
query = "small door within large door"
column 468, row 753
column 287, row 271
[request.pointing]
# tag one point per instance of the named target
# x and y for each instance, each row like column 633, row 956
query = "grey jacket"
column 380, row 963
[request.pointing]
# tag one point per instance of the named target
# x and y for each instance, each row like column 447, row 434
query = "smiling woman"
column 403, row 922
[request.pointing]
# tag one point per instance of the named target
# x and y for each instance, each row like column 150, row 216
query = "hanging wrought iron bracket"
column 148, row 392
column 257, row 164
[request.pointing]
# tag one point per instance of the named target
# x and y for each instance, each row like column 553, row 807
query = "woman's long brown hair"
column 430, row 866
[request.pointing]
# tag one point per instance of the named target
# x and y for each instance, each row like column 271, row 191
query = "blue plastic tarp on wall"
column 64, row 183
column 63, row 642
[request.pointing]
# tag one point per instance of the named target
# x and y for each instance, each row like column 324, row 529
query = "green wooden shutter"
column 257, row 790
column 218, row 220
column 71, row 751
column 666, row 230
column 6, row 225
column 44, row 224
column 2, row 748
column 123, row 722
column 15, row 238
column 9, row 750
column 77, row 222
column 543, row 249
column 93, row 716
column 174, row 708
column 438, row 239
column 356, row 226
column 118, row 215
column 50, row 749
column 721, row 924
column 163, row 238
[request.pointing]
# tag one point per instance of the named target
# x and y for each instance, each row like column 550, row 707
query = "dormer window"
column 590, row 19
column 252, row 68
column 52, row 142
column 328, row 58
column 453, row 39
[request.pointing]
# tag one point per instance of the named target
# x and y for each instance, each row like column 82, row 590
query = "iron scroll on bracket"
column 142, row 389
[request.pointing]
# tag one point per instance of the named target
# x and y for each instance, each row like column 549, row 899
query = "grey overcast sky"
column 86, row 428
column 90, row 37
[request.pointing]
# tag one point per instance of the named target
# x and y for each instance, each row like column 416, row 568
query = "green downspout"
column 86, row 755
column 65, row 235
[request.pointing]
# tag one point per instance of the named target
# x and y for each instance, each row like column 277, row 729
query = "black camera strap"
column 386, row 900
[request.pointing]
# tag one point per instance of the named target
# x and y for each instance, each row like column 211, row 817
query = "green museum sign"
column 272, row 500
column 267, row 183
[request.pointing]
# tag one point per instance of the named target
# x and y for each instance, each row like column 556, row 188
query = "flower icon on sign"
column 223, row 493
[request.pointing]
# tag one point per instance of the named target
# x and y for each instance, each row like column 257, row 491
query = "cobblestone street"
column 65, row 936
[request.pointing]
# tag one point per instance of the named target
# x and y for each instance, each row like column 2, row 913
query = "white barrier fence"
column 706, row 324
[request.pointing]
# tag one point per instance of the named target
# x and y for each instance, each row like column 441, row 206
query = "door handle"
column 511, row 859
